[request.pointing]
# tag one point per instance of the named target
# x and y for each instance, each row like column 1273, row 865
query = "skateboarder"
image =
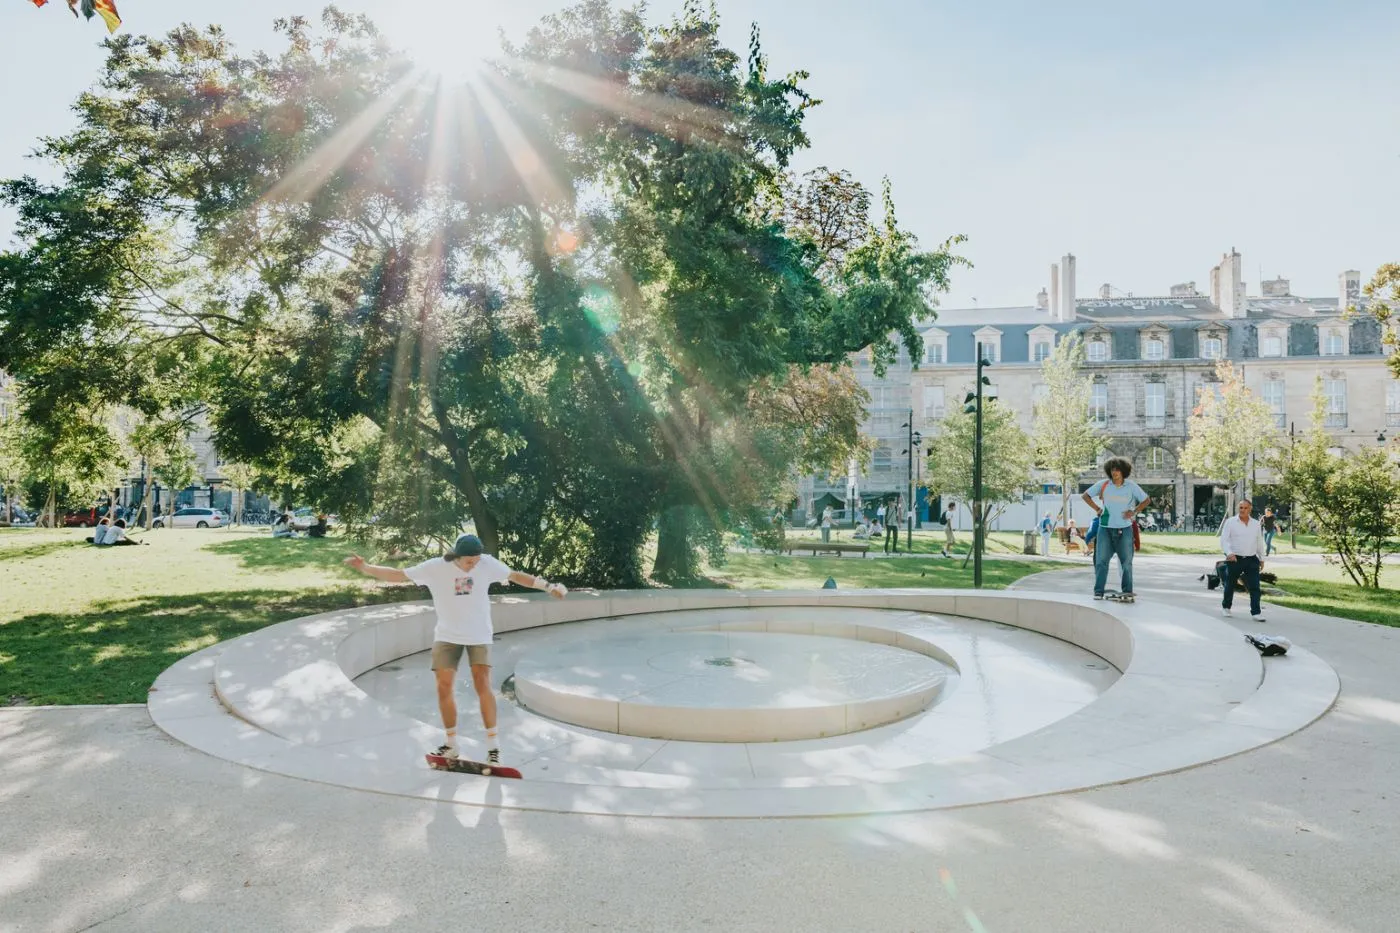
column 458, row 582
column 1121, row 500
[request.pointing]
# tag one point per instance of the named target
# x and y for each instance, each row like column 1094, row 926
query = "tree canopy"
column 572, row 299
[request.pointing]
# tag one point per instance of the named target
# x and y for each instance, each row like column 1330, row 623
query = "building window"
column 1334, row 344
column 1042, row 351
column 880, row 461
column 1156, row 458
column 1097, row 350
column 1392, row 404
column 1335, row 391
column 1272, row 346
column 1156, row 404
column 933, row 403
column 933, row 351
column 1098, row 403
column 1273, row 395
column 989, row 352
column 1210, row 348
column 1154, row 349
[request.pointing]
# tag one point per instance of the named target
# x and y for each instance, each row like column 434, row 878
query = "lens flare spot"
column 601, row 308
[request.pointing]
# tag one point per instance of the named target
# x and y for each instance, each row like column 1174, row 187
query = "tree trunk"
column 147, row 506
column 487, row 527
column 51, row 505
column 676, row 561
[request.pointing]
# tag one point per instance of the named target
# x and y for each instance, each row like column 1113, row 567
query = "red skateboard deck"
column 463, row 766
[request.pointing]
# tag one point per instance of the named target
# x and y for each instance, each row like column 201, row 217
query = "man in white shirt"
column 1242, row 541
column 458, row 582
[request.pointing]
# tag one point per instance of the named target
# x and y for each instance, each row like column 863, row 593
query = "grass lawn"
column 1009, row 542
column 83, row 625
column 1329, row 591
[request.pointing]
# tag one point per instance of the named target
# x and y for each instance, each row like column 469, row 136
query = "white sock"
column 452, row 738
column 491, row 739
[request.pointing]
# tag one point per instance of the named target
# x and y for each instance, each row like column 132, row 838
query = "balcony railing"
column 1392, row 419
column 1335, row 419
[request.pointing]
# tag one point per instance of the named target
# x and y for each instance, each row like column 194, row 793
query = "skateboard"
column 464, row 766
column 1116, row 597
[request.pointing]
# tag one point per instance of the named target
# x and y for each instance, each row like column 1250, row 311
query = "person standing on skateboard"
column 458, row 582
column 1121, row 500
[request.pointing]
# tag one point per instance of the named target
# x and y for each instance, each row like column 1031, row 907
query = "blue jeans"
column 1268, row 543
column 1248, row 568
column 1108, row 542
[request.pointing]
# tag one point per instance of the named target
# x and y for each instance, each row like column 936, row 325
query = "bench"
column 836, row 547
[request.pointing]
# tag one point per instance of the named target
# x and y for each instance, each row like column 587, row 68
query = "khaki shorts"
column 448, row 657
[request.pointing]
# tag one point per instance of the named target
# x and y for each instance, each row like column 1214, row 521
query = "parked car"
column 304, row 518
column 191, row 518
column 80, row 518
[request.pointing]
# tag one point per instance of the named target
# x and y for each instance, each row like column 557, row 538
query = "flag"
column 107, row 9
column 40, row 2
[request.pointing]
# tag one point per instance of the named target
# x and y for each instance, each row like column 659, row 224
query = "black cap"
column 467, row 546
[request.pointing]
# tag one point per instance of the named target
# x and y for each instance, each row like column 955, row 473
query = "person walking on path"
column 1121, row 501
column 1242, row 541
column 826, row 524
column 1270, row 524
column 458, row 582
column 895, row 516
column 1047, row 525
column 948, row 538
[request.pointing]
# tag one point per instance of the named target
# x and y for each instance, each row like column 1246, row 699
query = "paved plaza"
column 111, row 824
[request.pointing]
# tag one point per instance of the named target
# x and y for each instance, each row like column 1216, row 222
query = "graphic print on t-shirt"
column 463, row 586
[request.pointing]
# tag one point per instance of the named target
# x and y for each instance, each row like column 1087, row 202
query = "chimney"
column 1231, row 284
column 1349, row 290
column 1185, row 290
column 1069, row 300
column 1215, row 285
column 1274, row 288
column 1042, row 301
column 1054, row 291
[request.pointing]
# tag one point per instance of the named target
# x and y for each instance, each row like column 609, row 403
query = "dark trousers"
column 891, row 538
column 1247, row 567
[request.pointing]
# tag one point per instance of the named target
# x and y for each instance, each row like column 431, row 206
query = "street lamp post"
column 1293, row 501
column 973, row 404
column 914, row 440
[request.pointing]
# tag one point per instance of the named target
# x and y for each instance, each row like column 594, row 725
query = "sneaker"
column 1256, row 617
column 493, row 757
column 1098, row 596
column 446, row 751
column 1225, row 611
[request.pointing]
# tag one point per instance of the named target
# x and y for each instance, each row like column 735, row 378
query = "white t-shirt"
column 459, row 597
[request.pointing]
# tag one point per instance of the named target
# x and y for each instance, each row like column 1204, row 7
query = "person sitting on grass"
column 99, row 533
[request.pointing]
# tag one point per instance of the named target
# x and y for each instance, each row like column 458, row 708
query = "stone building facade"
column 1149, row 358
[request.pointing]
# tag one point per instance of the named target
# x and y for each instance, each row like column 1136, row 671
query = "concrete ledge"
column 1191, row 691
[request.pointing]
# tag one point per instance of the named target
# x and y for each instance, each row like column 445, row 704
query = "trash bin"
column 1028, row 546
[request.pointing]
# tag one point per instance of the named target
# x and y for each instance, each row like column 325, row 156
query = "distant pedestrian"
column 895, row 516
column 826, row 524
column 1047, row 525
column 1270, row 524
column 949, row 539
column 1242, row 541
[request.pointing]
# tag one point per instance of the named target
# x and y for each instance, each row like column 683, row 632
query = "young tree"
column 12, row 464
column 1228, row 430
column 1007, row 457
column 1383, row 303
column 176, row 470
column 1065, row 439
column 1354, row 500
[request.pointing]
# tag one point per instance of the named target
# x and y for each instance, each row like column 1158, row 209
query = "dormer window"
column 1042, row 351
column 990, row 340
column 1096, row 351
column 1154, row 349
column 1042, row 343
column 1272, row 345
column 1211, row 347
column 1334, row 342
column 935, row 346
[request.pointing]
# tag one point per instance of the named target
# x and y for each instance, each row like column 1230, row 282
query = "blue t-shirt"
column 1117, row 500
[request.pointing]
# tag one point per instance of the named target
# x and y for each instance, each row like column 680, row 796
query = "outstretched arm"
column 557, row 590
column 387, row 574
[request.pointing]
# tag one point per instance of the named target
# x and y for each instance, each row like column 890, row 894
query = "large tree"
column 1066, row 439
column 1383, row 303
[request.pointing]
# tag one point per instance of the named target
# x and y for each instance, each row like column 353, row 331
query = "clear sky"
column 1146, row 138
